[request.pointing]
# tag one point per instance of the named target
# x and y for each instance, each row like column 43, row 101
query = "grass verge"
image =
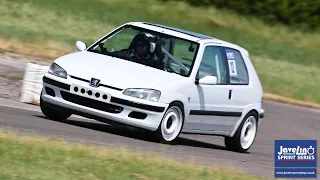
column 281, row 99
column 31, row 157
column 289, row 82
column 286, row 60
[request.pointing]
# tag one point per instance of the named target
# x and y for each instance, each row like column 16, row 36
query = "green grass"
column 286, row 60
column 289, row 79
column 26, row 157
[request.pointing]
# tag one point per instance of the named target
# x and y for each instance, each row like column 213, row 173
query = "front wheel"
column 51, row 113
column 171, row 124
column 244, row 136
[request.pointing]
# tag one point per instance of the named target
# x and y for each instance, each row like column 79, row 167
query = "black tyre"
column 245, row 134
column 52, row 113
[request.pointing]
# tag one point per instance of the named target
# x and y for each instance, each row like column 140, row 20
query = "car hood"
column 113, row 71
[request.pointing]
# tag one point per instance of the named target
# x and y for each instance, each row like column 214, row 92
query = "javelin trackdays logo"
column 296, row 154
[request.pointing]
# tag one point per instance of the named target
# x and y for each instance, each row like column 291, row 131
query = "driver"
column 142, row 47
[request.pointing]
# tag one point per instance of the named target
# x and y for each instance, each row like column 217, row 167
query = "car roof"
column 172, row 30
column 190, row 33
column 185, row 34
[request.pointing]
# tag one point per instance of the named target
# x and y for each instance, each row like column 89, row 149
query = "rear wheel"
column 171, row 124
column 244, row 136
column 52, row 113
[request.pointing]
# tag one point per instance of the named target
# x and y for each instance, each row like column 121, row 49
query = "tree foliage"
column 298, row 13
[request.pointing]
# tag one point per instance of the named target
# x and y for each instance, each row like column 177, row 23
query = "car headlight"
column 56, row 70
column 147, row 94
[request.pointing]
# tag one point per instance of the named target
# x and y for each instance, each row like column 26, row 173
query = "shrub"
column 299, row 13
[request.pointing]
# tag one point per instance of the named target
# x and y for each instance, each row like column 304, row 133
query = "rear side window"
column 237, row 67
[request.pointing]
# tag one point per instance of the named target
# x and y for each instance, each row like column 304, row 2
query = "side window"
column 184, row 52
column 213, row 64
column 237, row 68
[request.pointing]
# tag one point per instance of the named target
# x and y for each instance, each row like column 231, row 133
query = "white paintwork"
column 81, row 46
column 210, row 98
column 117, row 72
column 121, row 73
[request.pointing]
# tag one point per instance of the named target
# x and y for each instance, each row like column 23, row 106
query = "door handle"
column 230, row 93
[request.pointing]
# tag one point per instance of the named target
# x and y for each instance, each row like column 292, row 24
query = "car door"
column 211, row 109
column 241, row 91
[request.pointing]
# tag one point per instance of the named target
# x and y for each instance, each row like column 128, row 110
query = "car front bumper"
column 79, row 96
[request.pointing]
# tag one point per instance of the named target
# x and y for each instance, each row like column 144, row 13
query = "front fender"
column 180, row 98
column 176, row 90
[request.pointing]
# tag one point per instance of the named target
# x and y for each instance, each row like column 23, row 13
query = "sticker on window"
column 232, row 67
column 229, row 54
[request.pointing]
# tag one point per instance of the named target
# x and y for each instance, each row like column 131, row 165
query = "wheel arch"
column 251, row 108
column 180, row 98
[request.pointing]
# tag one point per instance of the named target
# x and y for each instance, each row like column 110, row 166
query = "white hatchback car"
column 162, row 79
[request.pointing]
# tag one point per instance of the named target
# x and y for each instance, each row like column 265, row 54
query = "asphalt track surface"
column 281, row 122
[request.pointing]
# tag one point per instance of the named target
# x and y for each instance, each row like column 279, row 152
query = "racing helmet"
column 141, row 36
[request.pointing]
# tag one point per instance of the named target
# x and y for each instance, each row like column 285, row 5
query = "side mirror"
column 209, row 80
column 81, row 46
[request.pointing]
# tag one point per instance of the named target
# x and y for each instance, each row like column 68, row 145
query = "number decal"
column 232, row 67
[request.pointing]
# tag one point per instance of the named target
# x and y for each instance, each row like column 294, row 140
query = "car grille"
column 91, row 103
column 102, row 85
